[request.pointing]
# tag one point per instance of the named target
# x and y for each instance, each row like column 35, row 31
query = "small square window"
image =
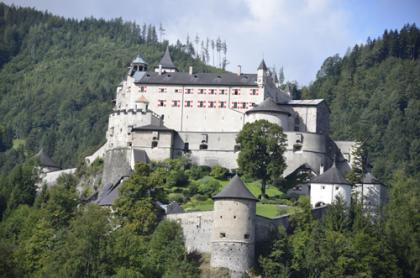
column 222, row 104
column 243, row 105
column 222, row 235
column 201, row 91
column 323, row 187
column 201, row 104
column 162, row 90
column 154, row 144
column 211, row 92
column 253, row 92
column 188, row 103
column 142, row 89
column 246, row 236
column 236, row 92
column 222, row 91
column 211, row 104
column 234, row 104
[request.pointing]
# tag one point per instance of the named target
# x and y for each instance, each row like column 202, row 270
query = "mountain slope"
column 58, row 81
column 374, row 96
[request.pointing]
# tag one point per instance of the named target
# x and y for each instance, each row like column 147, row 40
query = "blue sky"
column 295, row 34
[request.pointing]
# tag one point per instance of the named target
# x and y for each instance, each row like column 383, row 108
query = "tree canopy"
column 262, row 146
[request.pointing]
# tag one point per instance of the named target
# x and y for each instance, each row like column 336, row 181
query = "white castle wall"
column 275, row 118
column 143, row 140
column 372, row 196
column 197, row 227
column 327, row 193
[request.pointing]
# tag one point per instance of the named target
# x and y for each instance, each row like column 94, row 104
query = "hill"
column 374, row 96
column 58, row 77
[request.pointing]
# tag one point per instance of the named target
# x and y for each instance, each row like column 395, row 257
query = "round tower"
column 137, row 65
column 233, row 234
column 269, row 110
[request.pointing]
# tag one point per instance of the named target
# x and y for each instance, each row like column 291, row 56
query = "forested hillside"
column 58, row 78
column 374, row 96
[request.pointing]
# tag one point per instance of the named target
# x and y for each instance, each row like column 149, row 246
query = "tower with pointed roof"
column 331, row 184
column 261, row 73
column 370, row 193
column 166, row 64
column 233, row 234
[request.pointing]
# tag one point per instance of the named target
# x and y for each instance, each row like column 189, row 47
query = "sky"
column 297, row 35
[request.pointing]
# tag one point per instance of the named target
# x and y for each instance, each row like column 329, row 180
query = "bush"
column 197, row 172
column 176, row 178
column 219, row 172
column 177, row 197
column 208, row 187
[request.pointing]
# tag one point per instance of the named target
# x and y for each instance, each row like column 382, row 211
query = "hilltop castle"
column 163, row 113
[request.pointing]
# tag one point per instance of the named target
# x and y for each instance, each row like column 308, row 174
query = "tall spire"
column 262, row 65
column 166, row 61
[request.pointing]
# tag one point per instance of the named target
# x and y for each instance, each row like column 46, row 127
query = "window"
column 176, row 90
column 235, row 92
column 161, row 103
column 155, row 135
column 161, row 90
column 154, row 144
column 201, row 91
column 236, row 148
column 203, row 146
column 252, row 104
column 142, row 89
column 188, row 91
column 234, row 217
column 297, row 147
column 323, row 187
column 253, row 92
column 201, row 104
column 222, row 104
column 129, row 144
column 222, row 235
column 222, row 91
column 211, row 92
column 186, row 147
column 243, row 105
column 234, row 104
column 297, row 123
column 246, row 236
column 212, row 104
column 336, row 188
column 175, row 103
column 188, row 103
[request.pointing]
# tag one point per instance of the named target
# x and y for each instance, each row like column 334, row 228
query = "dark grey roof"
column 262, row 65
column 331, row 176
column 108, row 194
column 184, row 78
column 166, row 61
column 138, row 60
column 370, row 179
column 44, row 160
column 140, row 156
column 236, row 189
column 153, row 128
column 269, row 105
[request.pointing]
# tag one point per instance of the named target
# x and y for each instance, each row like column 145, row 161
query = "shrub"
column 209, row 187
column 177, row 197
column 219, row 172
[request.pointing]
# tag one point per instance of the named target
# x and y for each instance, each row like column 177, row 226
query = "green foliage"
column 373, row 94
column 219, row 172
column 262, row 147
column 58, row 77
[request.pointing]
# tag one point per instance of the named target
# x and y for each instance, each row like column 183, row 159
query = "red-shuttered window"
column 222, row 104
column 222, row 92
column 236, row 92
column 188, row 91
column 188, row 103
column 201, row 103
column 201, row 91
column 161, row 103
column 212, row 104
column 143, row 89
column 176, row 103
column 234, row 105
column 254, row 92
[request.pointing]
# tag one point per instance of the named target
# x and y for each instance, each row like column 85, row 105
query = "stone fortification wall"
column 197, row 227
column 116, row 165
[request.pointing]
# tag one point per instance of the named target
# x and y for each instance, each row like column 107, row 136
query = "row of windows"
column 207, row 104
column 236, row 92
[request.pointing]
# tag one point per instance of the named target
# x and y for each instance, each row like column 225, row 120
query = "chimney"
column 239, row 69
column 160, row 69
column 191, row 70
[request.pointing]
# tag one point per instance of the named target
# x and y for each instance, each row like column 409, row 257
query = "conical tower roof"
column 166, row 61
column 269, row 105
column 262, row 65
column 236, row 189
column 368, row 178
column 331, row 176
column 44, row 160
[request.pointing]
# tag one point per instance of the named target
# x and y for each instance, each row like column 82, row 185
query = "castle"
column 165, row 113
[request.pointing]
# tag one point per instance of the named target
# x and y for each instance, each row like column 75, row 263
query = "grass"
column 17, row 143
column 266, row 210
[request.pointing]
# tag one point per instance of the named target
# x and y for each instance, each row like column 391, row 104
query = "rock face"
column 116, row 165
